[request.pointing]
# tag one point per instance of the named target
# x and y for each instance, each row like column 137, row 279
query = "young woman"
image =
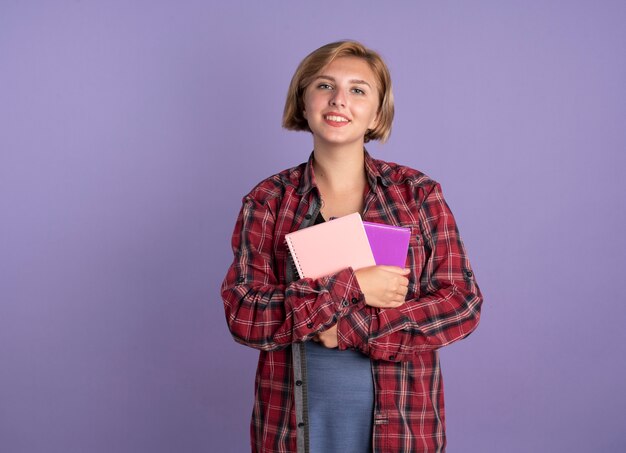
column 348, row 362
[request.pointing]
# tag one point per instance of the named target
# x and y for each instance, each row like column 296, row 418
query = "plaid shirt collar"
column 371, row 170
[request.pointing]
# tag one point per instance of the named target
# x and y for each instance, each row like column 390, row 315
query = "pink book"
column 331, row 246
column 389, row 243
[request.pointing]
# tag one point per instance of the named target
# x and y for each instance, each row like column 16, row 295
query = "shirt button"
column 392, row 357
column 468, row 274
column 355, row 300
column 300, row 425
column 307, row 216
column 344, row 303
column 310, row 325
column 298, row 383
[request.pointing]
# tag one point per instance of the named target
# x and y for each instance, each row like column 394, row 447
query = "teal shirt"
column 340, row 393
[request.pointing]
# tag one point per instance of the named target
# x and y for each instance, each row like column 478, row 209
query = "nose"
column 338, row 99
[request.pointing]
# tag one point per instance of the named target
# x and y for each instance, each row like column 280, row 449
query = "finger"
column 398, row 298
column 398, row 286
column 400, row 294
column 394, row 269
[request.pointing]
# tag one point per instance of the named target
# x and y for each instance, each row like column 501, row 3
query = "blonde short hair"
column 293, row 118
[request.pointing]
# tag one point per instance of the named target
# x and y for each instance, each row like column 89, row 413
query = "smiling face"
column 341, row 103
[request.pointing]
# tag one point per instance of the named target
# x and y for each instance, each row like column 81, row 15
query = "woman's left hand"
column 328, row 338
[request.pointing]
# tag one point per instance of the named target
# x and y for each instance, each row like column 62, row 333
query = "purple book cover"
column 389, row 244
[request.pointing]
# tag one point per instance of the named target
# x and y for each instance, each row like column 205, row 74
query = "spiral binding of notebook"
column 294, row 258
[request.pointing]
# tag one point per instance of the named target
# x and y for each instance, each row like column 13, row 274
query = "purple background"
column 130, row 132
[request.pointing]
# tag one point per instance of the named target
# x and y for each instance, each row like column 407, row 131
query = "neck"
column 339, row 169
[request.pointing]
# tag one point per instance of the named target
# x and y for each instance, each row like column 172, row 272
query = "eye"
column 358, row 91
column 325, row 86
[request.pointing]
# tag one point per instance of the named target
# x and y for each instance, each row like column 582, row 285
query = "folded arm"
column 263, row 313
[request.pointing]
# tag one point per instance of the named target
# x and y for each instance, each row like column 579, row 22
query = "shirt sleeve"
column 260, row 311
column 449, row 302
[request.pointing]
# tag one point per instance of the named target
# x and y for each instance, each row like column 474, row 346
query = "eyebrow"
column 332, row 79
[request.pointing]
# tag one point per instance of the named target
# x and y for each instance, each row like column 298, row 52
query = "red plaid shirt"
column 266, row 311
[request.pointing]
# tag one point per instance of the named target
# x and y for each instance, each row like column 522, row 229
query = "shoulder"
column 276, row 185
column 393, row 174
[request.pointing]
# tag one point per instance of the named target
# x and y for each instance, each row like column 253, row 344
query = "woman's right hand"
column 383, row 286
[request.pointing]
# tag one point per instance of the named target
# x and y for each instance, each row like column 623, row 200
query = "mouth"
column 336, row 120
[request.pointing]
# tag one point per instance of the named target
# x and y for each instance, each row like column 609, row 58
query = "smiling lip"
column 336, row 119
